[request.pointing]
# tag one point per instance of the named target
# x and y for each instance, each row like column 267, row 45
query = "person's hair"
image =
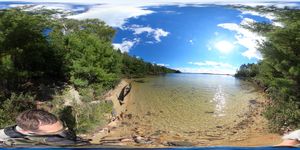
column 32, row 119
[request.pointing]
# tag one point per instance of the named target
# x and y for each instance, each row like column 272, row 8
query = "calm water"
column 189, row 102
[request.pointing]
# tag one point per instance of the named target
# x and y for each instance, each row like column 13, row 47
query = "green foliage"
column 38, row 50
column 88, row 116
column 25, row 43
column 247, row 70
column 135, row 67
column 88, row 52
column 10, row 108
column 279, row 71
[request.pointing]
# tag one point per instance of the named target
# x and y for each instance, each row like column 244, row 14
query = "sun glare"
column 224, row 46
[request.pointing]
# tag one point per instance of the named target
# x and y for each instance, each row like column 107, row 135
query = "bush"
column 283, row 114
column 88, row 116
column 11, row 108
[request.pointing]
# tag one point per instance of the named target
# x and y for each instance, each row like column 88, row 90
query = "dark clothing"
column 15, row 138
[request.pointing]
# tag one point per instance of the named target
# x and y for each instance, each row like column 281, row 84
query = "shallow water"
column 189, row 102
column 200, row 108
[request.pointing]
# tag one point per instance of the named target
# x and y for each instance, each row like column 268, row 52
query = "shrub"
column 11, row 108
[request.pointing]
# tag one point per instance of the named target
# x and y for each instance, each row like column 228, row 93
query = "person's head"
column 39, row 122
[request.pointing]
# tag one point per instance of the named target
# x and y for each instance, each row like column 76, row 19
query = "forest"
column 41, row 56
column 278, row 73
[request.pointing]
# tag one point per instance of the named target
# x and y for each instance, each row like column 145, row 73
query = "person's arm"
column 291, row 139
column 60, row 141
column 288, row 143
column 3, row 136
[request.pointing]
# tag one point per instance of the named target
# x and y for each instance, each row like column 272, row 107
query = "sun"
column 224, row 46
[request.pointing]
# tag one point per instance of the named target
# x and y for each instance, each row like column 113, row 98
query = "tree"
column 89, row 57
column 279, row 70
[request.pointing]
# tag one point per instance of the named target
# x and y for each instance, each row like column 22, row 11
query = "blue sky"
column 191, row 39
column 185, row 35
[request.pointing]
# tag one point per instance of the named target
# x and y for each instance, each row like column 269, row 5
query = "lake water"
column 183, row 104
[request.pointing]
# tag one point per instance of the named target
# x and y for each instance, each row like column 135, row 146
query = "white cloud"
column 268, row 3
column 191, row 42
column 245, row 38
column 160, row 33
column 213, row 64
column 279, row 3
column 126, row 45
column 269, row 16
column 114, row 16
column 156, row 33
column 164, row 65
column 247, row 21
column 116, row 12
column 210, row 67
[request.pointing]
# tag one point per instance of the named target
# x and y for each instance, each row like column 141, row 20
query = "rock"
column 253, row 101
column 179, row 143
column 219, row 126
column 112, row 124
column 148, row 113
column 142, row 140
column 240, row 139
column 129, row 116
column 111, row 139
column 125, row 123
column 127, row 140
column 113, row 144
column 209, row 112
column 165, row 143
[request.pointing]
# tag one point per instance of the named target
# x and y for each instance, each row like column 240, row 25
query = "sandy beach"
column 250, row 130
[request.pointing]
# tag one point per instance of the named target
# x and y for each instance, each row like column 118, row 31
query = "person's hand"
column 289, row 143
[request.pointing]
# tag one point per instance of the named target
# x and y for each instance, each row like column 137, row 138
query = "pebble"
column 179, row 143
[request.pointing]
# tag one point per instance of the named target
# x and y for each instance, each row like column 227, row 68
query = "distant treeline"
column 38, row 49
column 279, row 71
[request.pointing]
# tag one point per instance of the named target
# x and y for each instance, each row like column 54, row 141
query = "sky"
column 193, row 36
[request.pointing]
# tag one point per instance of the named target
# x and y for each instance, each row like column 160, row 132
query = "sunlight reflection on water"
column 220, row 101
column 189, row 102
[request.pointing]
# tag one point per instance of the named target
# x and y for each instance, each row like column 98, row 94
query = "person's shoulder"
column 295, row 135
column 3, row 136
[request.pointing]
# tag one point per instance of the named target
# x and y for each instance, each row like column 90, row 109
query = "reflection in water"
column 184, row 103
column 220, row 101
column 187, row 107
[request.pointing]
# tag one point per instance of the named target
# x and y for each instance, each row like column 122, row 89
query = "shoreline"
column 251, row 130
column 119, row 111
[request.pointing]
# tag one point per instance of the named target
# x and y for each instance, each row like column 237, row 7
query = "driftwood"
column 125, row 91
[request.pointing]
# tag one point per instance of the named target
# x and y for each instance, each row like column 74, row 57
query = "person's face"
column 50, row 129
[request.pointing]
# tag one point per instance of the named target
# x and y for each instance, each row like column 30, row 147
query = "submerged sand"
column 251, row 129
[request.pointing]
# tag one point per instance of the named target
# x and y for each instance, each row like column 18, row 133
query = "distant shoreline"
column 207, row 73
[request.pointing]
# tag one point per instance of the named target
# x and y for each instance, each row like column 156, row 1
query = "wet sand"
column 250, row 130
